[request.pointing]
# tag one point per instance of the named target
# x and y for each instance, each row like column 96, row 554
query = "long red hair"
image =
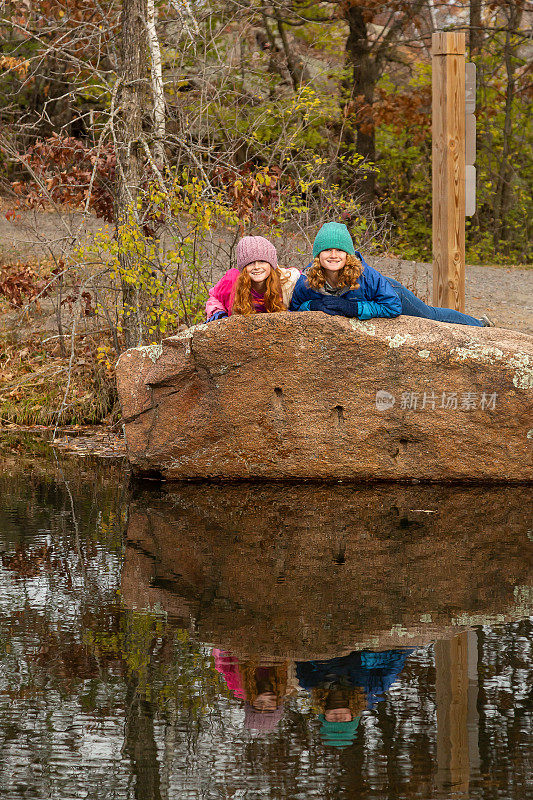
column 277, row 674
column 348, row 275
column 273, row 298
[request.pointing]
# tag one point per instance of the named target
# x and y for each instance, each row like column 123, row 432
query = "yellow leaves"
column 263, row 178
column 306, row 185
column 106, row 358
column 18, row 65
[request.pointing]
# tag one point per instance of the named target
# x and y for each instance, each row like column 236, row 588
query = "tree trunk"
column 475, row 32
column 129, row 165
column 140, row 744
column 296, row 69
column 505, row 173
column 359, row 88
column 268, row 42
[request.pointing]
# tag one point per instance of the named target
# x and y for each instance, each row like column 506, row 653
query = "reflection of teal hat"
column 338, row 734
column 333, row 235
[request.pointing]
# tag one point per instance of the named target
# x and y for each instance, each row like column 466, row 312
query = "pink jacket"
column 222, row 294
column 228, row 666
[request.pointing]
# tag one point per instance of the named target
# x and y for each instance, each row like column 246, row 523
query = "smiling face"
column 259, row 272
column 332, row 260
column 337, row 705
column 266, row 701
column 338, row 715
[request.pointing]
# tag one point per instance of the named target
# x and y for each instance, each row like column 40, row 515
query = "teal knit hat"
column 338, row 734
column 333, row 235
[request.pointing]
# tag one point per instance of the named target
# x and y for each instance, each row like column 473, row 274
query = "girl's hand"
column 318, row 305
column 335, row 306
column 217, row 315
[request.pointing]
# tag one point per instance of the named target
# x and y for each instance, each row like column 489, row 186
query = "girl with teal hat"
column 340, row 282
column 340, row 707
column 343, row 688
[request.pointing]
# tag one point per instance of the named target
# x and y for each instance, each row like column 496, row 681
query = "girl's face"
column 258, row 271
column 337, row 705
column 332, row 260
column 338, row 715
column 266, row 701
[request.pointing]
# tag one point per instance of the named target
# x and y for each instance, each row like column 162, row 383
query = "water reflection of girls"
column 342, row 688
column 262, row 684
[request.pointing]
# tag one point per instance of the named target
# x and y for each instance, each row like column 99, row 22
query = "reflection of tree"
column 505, row 676
column 140, row 744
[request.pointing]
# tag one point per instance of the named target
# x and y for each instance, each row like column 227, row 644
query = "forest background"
column 140, row 139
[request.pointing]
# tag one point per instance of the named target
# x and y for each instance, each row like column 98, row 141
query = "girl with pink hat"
column 256, row 285
column 262, row 684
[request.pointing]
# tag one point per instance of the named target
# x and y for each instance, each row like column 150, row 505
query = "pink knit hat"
column 261, row 721
column 255, row 248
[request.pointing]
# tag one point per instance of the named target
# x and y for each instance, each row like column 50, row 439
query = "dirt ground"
column 504, row 293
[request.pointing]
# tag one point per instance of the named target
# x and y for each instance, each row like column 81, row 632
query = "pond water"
column 284, row 641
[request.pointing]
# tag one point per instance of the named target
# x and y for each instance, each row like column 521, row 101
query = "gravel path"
column 505, row 294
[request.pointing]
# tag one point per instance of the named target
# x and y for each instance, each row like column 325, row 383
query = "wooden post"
column 472, row 720
column 451, row 664
column 448, row 65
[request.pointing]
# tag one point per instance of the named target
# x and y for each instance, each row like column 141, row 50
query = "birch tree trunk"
column 159, row 131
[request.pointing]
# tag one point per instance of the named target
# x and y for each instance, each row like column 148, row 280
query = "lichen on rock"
column 476, row 351
column 523, row 377
column 364, row 326
column 152, row 351
column 189, row 332
column 398, row 339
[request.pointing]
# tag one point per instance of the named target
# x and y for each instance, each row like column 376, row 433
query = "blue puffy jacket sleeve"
column 302, row 295
column 373, row 672
column 379, row 298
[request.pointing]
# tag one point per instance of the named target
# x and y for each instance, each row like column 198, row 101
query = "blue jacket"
column 373, row 672
column 375, row 296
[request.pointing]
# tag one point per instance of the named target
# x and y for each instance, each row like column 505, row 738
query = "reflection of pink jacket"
column 222, row 294
column 228, row 666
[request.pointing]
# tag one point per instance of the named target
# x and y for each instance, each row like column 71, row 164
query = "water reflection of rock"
column 309, row 570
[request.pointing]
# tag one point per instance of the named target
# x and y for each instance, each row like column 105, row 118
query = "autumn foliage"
column 66, row 172
column 19, row 283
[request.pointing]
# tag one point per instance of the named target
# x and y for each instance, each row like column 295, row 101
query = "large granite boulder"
column 305, row 395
